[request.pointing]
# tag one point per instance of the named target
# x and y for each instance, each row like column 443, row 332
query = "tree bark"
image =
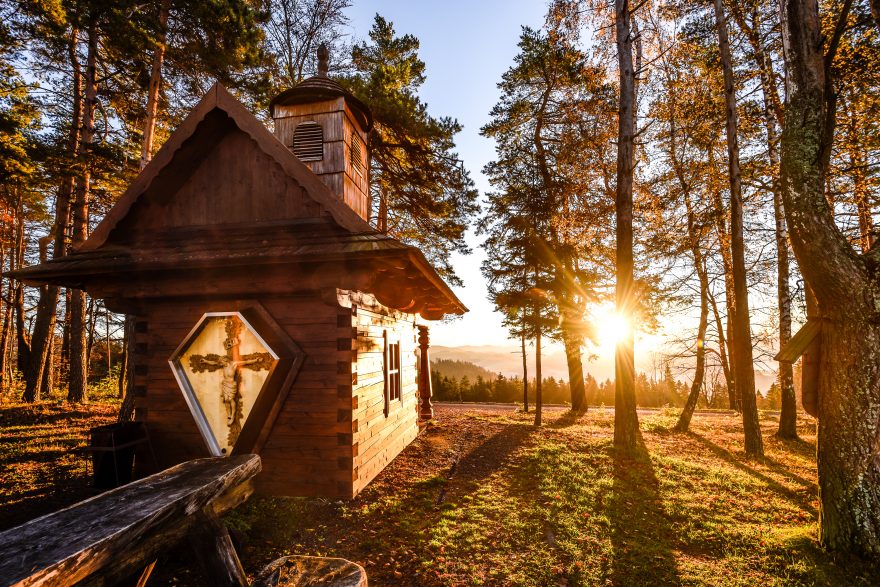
column 727, row 264
column 525, row 368
column 684, row 419
column 743, row 360
column 694, row 234
column 773, row 116
column 47, row 307
column 22, row 336
column 788, row 407
column 154, row 86
column 573, row 345
column 626, row 422
column 722, row 348
column 7, row 327
column 538, row 382
column 78, row 376
column 846, row 290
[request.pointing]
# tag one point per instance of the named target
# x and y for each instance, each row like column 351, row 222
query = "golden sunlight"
column 611, row 327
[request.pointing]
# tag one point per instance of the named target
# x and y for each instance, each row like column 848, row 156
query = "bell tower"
column 326, row 128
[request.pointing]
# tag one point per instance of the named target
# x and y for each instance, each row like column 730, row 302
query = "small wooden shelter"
column 270, row 317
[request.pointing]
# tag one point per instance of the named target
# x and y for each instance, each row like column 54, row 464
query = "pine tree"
column 421, row 192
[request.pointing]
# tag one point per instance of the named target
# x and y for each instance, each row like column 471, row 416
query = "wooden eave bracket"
column 800, row 341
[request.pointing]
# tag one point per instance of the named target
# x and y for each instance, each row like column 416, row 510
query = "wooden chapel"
column 270, row 317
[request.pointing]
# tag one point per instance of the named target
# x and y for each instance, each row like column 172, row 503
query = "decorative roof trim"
column 219, row 98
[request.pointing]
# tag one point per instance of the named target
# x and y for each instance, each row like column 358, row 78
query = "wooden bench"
column 114, row 535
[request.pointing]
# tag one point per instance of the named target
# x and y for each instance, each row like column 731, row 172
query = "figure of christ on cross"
column 230, row 365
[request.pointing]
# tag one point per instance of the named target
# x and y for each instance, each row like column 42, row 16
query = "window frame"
column 393, row 390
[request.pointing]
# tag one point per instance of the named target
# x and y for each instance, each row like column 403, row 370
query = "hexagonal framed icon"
column 235, row 369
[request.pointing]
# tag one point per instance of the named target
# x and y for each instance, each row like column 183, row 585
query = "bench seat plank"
column 76, row 542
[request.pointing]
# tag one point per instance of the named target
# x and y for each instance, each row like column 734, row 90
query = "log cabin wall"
column 335, row 169
column 378, row 437
column 309, row 449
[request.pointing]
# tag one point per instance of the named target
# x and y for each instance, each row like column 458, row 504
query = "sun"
column 611, row 327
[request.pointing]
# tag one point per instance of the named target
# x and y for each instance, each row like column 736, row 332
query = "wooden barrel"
column 302, row 571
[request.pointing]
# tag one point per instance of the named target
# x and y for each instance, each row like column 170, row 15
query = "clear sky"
column 466, row 46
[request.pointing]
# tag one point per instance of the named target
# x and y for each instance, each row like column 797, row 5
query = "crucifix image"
column 230, row 365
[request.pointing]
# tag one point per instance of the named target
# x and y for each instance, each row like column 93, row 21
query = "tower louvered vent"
column 356, row 156
column 308, row 142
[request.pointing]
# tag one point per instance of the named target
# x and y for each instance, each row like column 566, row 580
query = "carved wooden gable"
column 234, row 182
column 220, row 167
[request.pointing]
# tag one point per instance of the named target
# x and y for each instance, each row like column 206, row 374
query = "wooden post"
column 426, row 410
column 810, row 362
column 214, row 550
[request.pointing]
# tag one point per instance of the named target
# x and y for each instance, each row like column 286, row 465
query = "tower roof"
column 321, row 87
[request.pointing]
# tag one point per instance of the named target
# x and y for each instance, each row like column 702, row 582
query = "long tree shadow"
column 394, row 514
column 642, row 539
column 801, row 499
column 567, row 419
column 474, row 466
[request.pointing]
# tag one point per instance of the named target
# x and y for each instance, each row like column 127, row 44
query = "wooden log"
column 118, row 532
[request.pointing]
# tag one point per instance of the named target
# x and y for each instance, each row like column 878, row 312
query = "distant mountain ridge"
column 458, row 369
column 507, row 360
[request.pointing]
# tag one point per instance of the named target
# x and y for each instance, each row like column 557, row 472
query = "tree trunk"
column 47, row 307
column 23, row 349
column 684, row 420
column 846, row 289
column 860, row 190
column 154, row 86
column 573, row 344
column 744, row 371
column 64, row 359
column 788, row 407
column 727, row 264
column 722, row 350
column 538, row 382
column 626, row 422
column 78, row 377
column 525, row 368
column 694, row 234
column 126, row 410
column 7, row 327
column 773, row 115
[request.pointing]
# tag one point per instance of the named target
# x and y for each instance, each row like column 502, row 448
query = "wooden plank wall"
column 309, row 450
column 335, row 169
column 379, row 438
column 236, row 182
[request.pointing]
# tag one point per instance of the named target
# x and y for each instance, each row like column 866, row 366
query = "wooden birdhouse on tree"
column 807, row 344
column 269, row 316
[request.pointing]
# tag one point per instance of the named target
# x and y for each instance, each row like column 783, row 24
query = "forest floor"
column 482, row 497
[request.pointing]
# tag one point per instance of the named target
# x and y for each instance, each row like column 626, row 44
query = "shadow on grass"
column 641, row 537
column 485, row 458
column 567, row 419
column 802, row 500
column 395, row 514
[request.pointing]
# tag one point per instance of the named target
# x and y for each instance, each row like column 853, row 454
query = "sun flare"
column 611, row 328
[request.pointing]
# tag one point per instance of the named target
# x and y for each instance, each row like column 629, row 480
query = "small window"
column 392, row 371
column 357, row 158
column 308, row 142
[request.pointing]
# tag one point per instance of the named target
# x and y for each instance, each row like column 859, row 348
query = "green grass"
column 566, row 509
column 522, row 506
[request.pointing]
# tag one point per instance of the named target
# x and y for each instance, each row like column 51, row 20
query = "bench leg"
column 213, row 548
column 145, row 574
